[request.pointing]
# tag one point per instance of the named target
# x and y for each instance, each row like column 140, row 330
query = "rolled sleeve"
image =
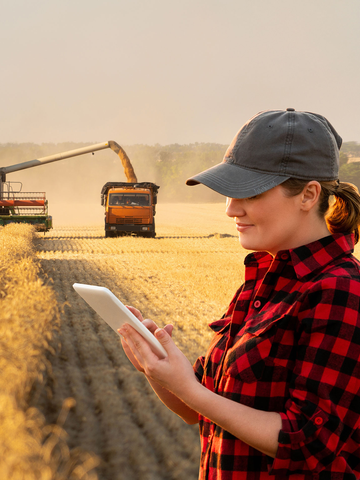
column 306, row 446
column 199, row 368
column 323, row 411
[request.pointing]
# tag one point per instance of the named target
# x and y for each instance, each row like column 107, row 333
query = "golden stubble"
column 29, row 316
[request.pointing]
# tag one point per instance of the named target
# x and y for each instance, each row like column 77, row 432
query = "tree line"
column 168, row 166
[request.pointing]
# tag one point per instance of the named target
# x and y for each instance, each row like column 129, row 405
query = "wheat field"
column 30, row 449
column 186, row 276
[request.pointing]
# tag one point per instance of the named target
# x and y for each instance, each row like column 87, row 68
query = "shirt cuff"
column 307, row 450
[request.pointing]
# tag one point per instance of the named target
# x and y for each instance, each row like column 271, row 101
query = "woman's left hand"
column 174, row 372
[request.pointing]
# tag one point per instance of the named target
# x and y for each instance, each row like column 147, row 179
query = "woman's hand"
column 150, row 325
column 174, row 372
column 174, row 381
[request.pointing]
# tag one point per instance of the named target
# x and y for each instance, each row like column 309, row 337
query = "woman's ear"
column 310, row 195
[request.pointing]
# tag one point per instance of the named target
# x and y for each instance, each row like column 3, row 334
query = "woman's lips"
column 242, row 227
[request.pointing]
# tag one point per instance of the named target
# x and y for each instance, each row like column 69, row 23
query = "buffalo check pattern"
column 290, row 343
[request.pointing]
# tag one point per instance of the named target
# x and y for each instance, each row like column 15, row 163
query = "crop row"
column 30, row 449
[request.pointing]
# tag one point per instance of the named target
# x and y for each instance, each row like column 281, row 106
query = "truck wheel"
column 153, row 233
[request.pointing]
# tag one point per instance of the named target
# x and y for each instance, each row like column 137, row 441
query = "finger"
column 150, row 325
column 135, row 312
column 131, row 351
column 165, row 339
column 126, row 347
column 169, row 329
column 138, row 345
column 130, row 356
column 128, row 343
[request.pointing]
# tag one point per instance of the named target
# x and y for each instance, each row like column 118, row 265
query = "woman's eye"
column 254, row 197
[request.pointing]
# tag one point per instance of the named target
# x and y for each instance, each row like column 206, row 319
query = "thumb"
column 164, row 338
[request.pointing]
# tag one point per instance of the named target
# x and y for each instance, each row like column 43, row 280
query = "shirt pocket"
column 260, row 354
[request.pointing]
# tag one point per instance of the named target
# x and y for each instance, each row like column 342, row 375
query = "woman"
column 278, row 393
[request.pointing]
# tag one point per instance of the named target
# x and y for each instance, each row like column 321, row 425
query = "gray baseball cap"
column 272, row 147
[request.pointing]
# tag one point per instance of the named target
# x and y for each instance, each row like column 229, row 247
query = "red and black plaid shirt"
column 290, row 343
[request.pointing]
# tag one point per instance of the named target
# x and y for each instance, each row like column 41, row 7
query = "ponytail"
column 339, row 204
column 343, row 215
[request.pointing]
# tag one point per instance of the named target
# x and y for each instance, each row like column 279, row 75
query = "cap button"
column 290, row 109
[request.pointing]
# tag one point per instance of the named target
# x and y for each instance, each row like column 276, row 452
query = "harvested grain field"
column 185, row 276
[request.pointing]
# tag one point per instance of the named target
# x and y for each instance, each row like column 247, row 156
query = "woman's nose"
column 234, row 207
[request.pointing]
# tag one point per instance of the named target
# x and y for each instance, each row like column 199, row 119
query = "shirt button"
column 284, row 256
column 210, row 437
column 257, row 304
column 318, row 421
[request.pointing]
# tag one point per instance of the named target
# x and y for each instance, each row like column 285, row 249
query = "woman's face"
column 268, row 222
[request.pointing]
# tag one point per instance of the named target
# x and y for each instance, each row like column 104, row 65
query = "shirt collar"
column 308, row 259
column 257, row 258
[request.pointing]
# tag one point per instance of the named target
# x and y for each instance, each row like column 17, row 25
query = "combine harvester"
column 32, row 207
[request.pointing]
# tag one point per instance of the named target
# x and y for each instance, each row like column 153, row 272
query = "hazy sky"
column 173, row 71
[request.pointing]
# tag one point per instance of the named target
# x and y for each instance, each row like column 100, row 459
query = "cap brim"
column 236, row 182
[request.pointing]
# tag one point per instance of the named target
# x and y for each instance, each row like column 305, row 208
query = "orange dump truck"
column 129, row 208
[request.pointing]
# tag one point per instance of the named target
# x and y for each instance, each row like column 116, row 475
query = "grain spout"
column 128, row 168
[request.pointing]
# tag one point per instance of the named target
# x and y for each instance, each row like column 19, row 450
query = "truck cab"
column 129, row 208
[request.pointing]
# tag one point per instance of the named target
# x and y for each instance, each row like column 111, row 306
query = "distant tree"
column 344, row 158
column 352, row 149
column 350, row 173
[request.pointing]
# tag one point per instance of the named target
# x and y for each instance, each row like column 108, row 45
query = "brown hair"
column 342, row 215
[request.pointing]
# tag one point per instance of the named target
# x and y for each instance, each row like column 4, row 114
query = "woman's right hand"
column 150, row 325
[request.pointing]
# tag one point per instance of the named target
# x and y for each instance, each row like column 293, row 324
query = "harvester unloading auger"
column 32, row 207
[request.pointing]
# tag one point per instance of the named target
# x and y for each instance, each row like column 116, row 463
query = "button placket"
column 270, row 280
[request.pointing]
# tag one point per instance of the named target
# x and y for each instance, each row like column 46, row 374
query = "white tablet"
column 115, row 313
